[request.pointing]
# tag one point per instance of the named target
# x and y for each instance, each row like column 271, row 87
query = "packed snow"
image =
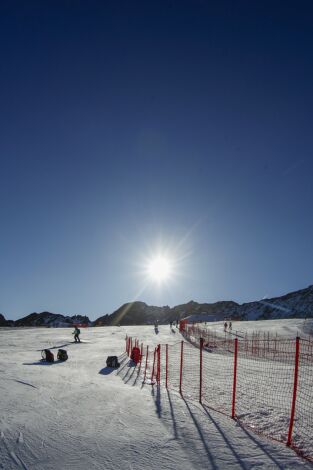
column 81, row 415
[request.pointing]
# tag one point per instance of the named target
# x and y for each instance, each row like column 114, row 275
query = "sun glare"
column 159, row 269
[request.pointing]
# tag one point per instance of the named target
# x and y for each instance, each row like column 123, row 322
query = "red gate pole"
column 159, row 365
column 235, row 378
column 295, row 387
column 181, row 367
column 141, row 353
column 200, row 385
column 152, row 373
column 166, row 366
column 147, row 353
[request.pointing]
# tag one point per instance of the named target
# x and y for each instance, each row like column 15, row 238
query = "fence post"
column 159, row 365
column 147, row 353
column 141, row 353
column 294, row 395
column 235, row 378
column 166, row 366
column 200, row 387
column 126, row 343
column 152, row 373
column 181, row 367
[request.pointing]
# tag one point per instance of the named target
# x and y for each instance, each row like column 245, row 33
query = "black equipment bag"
column 62, row 355
column 112, row 361
column 47, row 355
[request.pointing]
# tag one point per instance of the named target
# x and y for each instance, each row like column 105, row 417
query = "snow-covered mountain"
column 298, row 304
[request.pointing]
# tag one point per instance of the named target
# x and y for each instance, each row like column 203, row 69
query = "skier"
column 230, row 326
column 76, row 334
column 225, row 326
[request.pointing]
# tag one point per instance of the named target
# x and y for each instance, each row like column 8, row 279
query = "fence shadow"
column 155, row 391
column 261, row 446
column 164, row 402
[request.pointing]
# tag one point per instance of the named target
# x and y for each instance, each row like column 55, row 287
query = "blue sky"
column 134, row 128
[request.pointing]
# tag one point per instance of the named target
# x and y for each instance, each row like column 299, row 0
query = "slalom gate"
column 265, row 384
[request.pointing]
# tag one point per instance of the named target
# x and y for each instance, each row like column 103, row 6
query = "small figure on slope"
column 76, row 334
column 225, row 326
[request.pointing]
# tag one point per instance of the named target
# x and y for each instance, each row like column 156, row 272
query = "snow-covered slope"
column 287, row 328
column 80, row 415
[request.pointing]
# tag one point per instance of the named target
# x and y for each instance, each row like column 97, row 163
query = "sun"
column 159, row 269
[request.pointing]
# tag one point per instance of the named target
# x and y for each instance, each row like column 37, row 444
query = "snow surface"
column 81, row 415
column 287, row 328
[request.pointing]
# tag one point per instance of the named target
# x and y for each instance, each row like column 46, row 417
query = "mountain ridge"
column 296, row 304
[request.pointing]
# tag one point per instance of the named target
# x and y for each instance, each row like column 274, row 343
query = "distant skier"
column 225, row 326
column 230, row 325
column 76, row 334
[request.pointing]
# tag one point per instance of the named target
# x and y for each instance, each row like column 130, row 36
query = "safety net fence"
column 265, row 384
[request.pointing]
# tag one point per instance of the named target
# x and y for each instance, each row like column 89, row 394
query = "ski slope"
column 80, row 415
column 287, row 328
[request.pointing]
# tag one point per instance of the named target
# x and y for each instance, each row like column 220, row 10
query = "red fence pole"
column 166, row 366
column 200, row 385
column 181, row 367
column 235, row 379
column 295, row 386
column 141, row 353
column 159, row 364
column 152, row 373
column 147, row 353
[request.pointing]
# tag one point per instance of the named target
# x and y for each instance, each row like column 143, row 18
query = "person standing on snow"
column 76, row 334
column 225, row 326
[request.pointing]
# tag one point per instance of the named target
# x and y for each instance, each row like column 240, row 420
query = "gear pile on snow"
column 112, row 361
column 62, row 355
column 47, row 355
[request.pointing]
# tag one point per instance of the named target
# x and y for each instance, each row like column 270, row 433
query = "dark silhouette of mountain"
column 298, row 304
column 135, row 313
column 4, row 322
column 51, row 320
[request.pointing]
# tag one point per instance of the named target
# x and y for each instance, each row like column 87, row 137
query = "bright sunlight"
column 159, row 269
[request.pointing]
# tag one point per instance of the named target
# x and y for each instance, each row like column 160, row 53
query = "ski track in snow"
column 78, row 415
